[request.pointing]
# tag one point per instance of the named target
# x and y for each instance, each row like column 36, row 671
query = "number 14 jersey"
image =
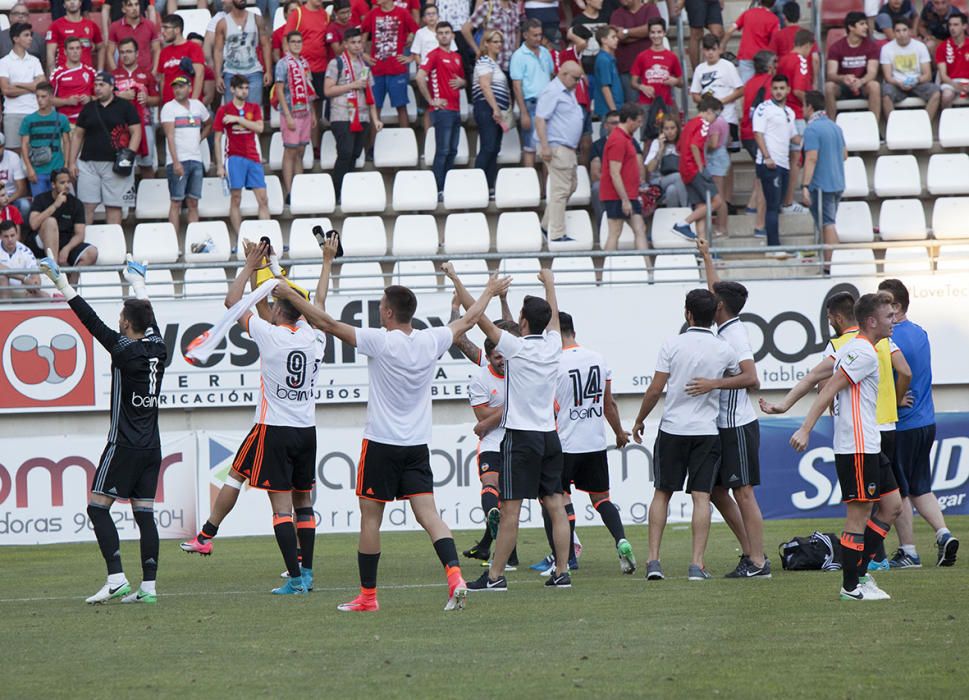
column 289, row 358
column 580, row 400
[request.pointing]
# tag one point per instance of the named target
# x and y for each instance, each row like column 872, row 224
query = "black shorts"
column 317, row 80
column 703, row 13
column 126, row 472
column 613, row 208
column 864, row 477
column 913, row 469
column 489, row 463
column 693, row 458
column 750, row 145
column 71, row 257
column 388, row 472
column 531, row 464
column 734, row 145
column 888, row 445
column 697, row 188
column 278, row 458
column 740, row 456
column 589, row 471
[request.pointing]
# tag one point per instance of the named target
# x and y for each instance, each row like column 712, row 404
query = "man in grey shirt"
column 558, row 125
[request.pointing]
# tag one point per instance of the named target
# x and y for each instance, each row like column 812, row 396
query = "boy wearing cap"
column 186, row 123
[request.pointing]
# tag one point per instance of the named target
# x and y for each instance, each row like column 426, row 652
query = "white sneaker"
column 109, row 592
column 794, row 208
column 777, row 254
column 872, row 591
column 140, row 596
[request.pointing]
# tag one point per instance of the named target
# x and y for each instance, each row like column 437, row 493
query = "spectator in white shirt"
column 186, row 123
column 907, row 71
column 20, row 74
column 14, row 255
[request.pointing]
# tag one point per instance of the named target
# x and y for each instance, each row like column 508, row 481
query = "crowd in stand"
column 84, row 102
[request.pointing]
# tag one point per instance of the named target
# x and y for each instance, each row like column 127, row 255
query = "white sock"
column 116, row 579
column 148, row 587
column 681, row 223
column 909, row 549
column 940, row 533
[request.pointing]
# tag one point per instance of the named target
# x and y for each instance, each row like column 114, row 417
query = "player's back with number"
column 579, row 398
column 289, row 358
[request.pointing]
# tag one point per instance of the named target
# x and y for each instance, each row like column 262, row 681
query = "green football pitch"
column 216, row 631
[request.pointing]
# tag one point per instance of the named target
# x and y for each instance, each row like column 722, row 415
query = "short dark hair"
column 898, row 291
column 351, row 33
column 702, row 306
column 733, row 295
column 711, row 42
column 566, row 324
column 960, row 16
column 604, row 31
column 709, row 102
column 582, row 31
column 780, row 78
column 853, row 18
column 902, row 21
column 337, row 6
column 841, row 304
column 815, row 99
column 803, row 36
column 18, row 28
column 537, row 312
column 175, row 21
column 443, row 25
column 791, row 12
column 656, row 21
column 6, row 225
column 286, row 308
column 401, row 301
column 610, row 114
column 72, row 40
column 45, row 86
column 531, row 23
column 57, row 173
column 509, row 326
column 195, row 36
column 238, row 81
column 868, row 305
column 127, row 40
column 293, row 33
column 767, row 3
column 629, row 112
column 139, row 314
column 763, row 59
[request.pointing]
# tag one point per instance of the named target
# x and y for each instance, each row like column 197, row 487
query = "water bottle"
column 225, row 186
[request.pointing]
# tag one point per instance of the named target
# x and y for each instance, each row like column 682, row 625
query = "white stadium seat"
column 856, row 178
column 328, row 152
column 306, row 275
column 627, row 239
column 676, row 268
column 395, row 148
column 430, row 148
column 388, row 114
column 364, row 236
column 908, row 129
column 901, row 261
column 625, row 269
column 354, row 277
column 854, row 223
column 195, row 20
column 302, row 242
column 214, row 203
column 276, row 150
column 155, row 243
column 897, row 176
column 160, row 284
column 573, row 270
column 511, row 148
column 948, row 174
column 524, row 270
column 274, row 195
column 954, row 128
column 517, row 188
column 466, row 233
column 415, row 234
column 104, row 285
column 204, row 281
column 153, row 199
column 519, row 231
column 860, row 131
column 363, row 192
column 953, row 257
column 414, row 190
column 901, row 220
column 109, row 240
column 254, row 229
column 416, row 274
column 211, row 234
column 312, row 194
column 465, row 189
column 950, row 217
column 583, row 188
column 578, row 226
column 853, row 262
column 662, row 233
column 473, row 273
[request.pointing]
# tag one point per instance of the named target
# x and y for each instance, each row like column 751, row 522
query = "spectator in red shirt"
column 237, row 159
column 693, row 170
column 176, row 57
column 657, row 70
column 952, row 59
column 758, row 25
column 631, row 20
column 73, row 82
column 445, row 71
column 391, row 30
column 619, row 188
column 76, row 25
column 279, row 35
column 138, row 86
column 852, row 68
column 311, row 21
column 136, row 25
column 343, row 20
column 208, row 75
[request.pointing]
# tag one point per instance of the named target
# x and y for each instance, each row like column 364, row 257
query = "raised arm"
column 467, row 348
column 330, row 247
column 475, row 313
column 650, row 399
column 254, row 256
column 839, row 381
column 85, row 314
column 708, row 266
column 317, row 317
column 547, row 278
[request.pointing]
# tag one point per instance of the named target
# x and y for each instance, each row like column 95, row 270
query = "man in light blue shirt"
column 558, row 125
column 824, row 168
column 531, row 70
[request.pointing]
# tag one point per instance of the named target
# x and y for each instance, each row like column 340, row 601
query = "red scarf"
column 352, row 100
column 300, row 89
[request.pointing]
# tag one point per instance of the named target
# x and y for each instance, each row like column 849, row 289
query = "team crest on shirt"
column 871, row 488
column 849, row 358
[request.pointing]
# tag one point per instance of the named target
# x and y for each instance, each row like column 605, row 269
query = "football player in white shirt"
column 688, row 444
column 14, row 255
column 229, row 493
column 395, row 460
column 863, row 471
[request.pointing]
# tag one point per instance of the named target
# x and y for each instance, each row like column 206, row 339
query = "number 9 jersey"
column 580, row 400
column 289, row 359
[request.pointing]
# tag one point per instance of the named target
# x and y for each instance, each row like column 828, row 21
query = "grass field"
column 217, row 633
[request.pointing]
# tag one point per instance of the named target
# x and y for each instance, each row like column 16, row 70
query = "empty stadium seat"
column 676, row 268
column 908, row 129
column 312, row 193
column 517, row 188
column 627, row 239
column 853, row 262
column 204, row 281
column 948, row 174
column 214, row 203
column 213, row 235
column 415, row 234
column 473, row 273
column 254, row 229
column 302, row 243
column 195, row 21
column 583, row 188
column 155, row 243
column 414, row 190
column 109, row 240
column 462, row 157
column 356, row 276
column 854, row 223
column 363, row 192
column 860, row 130
column 276, row 150
column 511, row 148
column 950, row 217
column 274, row 194
column 328, row 152
column 524, row 270
column 901, row 220
column 662, row 233
column 465, row 189
column 306, row 275
column 856, row 178
column 160, row 283
column 578, row 226
column 954, row 127
column 466, row 233
column 897, row 176
column 388, row 114
column 153, row 199
column 364, row 236
column 518, row 231
column 901, row 261
column 395, row 148
column 416, row 274
column 952, row 258
column 625, row 269
column 103, row 285
column 573, row 271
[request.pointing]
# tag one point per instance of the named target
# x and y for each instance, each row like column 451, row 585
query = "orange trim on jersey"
column 293, row 329
column 479, row 405
column 422, row 493
column 363, row 459
column 493, row 373
column 257, row 460
column 263, row 404
column 241, row 454
column 856, row 423
column 877, row 528
column 569, row 347
column 280, row 519
column 306, row 524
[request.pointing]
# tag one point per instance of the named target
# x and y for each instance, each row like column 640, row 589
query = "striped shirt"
column 735, row 407
column 855, row 406
column 499, row 82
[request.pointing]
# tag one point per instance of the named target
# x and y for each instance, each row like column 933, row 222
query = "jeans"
column 255, row 88
column 674, row 191
column 268, row 10
column 447, row 132
column 489, row 142
column 349, row 146
column 774, row 184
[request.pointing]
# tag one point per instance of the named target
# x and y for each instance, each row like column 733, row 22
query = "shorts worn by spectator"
column 619, row 187
column 57, row 222
column 391, row 31
column 295, row 95
column 702, row 14
column 187, row 123
column 530, row 71
column 19, row 14
column 240, row 122
column 44, row 141
column 75, row 24
column 19, row 67
column 133, row 24
column 907, row 72
column 440, row 80
column 14, row 255
column 239, row 37
column 559, row 120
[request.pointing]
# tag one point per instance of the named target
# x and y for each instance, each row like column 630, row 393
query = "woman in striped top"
column 491, row 97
